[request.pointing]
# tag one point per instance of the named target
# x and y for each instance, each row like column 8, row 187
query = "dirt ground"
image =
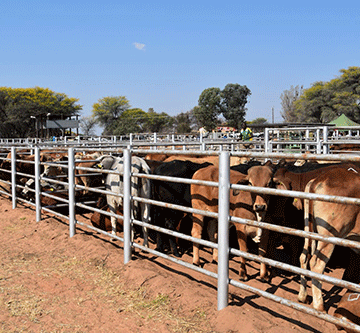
column 52, row 283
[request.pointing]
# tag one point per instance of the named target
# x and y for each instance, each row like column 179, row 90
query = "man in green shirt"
column 246, row 132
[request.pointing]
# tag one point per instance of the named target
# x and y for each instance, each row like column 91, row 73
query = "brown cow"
column 234, row 160
column 281, row 210
column 349, row 309
column 86, row 178
column 24, row 164
column 330, row 220
column 242, row 204
column 102, row 221
column 297, row 181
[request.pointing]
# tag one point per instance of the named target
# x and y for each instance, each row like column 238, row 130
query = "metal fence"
column 72, row 201
column 289, row 139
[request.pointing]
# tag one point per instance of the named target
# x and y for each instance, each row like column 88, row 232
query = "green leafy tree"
column 257, row 121
column 234, row 98
column 108, row 110
column 131, row 121
column 209, row 108
column 158, row 122
column 325, row 101
column 24, row 109
column 183, row 123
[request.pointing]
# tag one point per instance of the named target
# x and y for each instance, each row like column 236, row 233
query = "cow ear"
column 244, row 181
column 298, row 203
column 236, row 192
column 284, row 184
column 281, row 163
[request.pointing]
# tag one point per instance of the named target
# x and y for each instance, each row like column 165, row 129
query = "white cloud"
column 139, row 46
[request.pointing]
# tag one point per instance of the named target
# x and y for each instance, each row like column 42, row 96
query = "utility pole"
column 272, row 112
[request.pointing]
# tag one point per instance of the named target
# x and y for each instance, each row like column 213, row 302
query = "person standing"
column 246, row 132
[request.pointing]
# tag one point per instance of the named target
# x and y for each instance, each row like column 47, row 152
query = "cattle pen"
column 64, row 191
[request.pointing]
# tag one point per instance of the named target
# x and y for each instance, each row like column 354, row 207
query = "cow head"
column 106, row 162
column 259, row 176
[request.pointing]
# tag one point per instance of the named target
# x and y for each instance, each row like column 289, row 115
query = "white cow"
column 140, row 187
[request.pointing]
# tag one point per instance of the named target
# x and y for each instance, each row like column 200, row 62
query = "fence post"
column 266, row 141
column 37, row 184
column 126, row 205
column 71, row 176
column 325, row 140
column 203, row 146
column 13, row 177
column 223, row 230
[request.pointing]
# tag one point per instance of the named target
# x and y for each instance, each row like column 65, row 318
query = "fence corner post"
column 13, row 177
column 223, row 230
column 127, row 205
column 71, row 176
column 37, row 184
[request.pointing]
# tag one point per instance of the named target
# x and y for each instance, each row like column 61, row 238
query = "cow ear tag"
column 99, row 166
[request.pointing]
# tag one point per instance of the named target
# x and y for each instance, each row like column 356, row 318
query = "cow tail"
column 308, row 217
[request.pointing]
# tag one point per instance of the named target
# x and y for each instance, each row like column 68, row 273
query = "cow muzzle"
column 259, row 208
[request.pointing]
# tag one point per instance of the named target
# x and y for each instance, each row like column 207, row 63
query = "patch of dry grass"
column 107, row 286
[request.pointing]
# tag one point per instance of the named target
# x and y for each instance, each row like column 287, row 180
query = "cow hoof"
column 159, row 250
column 243, row 278
column 266, row 279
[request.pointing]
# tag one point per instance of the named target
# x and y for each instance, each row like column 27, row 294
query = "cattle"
column 24, row 164
column 281, row 210
column 330, row 220
column 48, row 171
column 344, row 148
column 86, row 178
column 102, row 221
column 349, row 309
column 242, row 204
column 140, row 187
column 234, row 160
column 173, row 193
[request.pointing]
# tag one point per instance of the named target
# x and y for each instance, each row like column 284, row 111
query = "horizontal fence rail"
column 71, row 201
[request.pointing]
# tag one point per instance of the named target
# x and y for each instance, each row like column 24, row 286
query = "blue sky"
column 163, row 54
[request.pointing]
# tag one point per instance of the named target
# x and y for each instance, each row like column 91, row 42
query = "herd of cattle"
column 324, row 218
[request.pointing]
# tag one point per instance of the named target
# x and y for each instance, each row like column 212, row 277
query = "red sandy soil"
column 50, row 282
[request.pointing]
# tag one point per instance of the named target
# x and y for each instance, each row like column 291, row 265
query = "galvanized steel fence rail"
column 223, row 217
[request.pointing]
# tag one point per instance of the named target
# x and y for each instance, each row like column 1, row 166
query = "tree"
column 158, row 122
column 182, row 123
column 288, row 99
column 234, row 99
column 325, row 101
column 209, row 108
column 87, row 125
column 258, row 121
column 108, row 110
column 131, row 121
column 22, row 110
